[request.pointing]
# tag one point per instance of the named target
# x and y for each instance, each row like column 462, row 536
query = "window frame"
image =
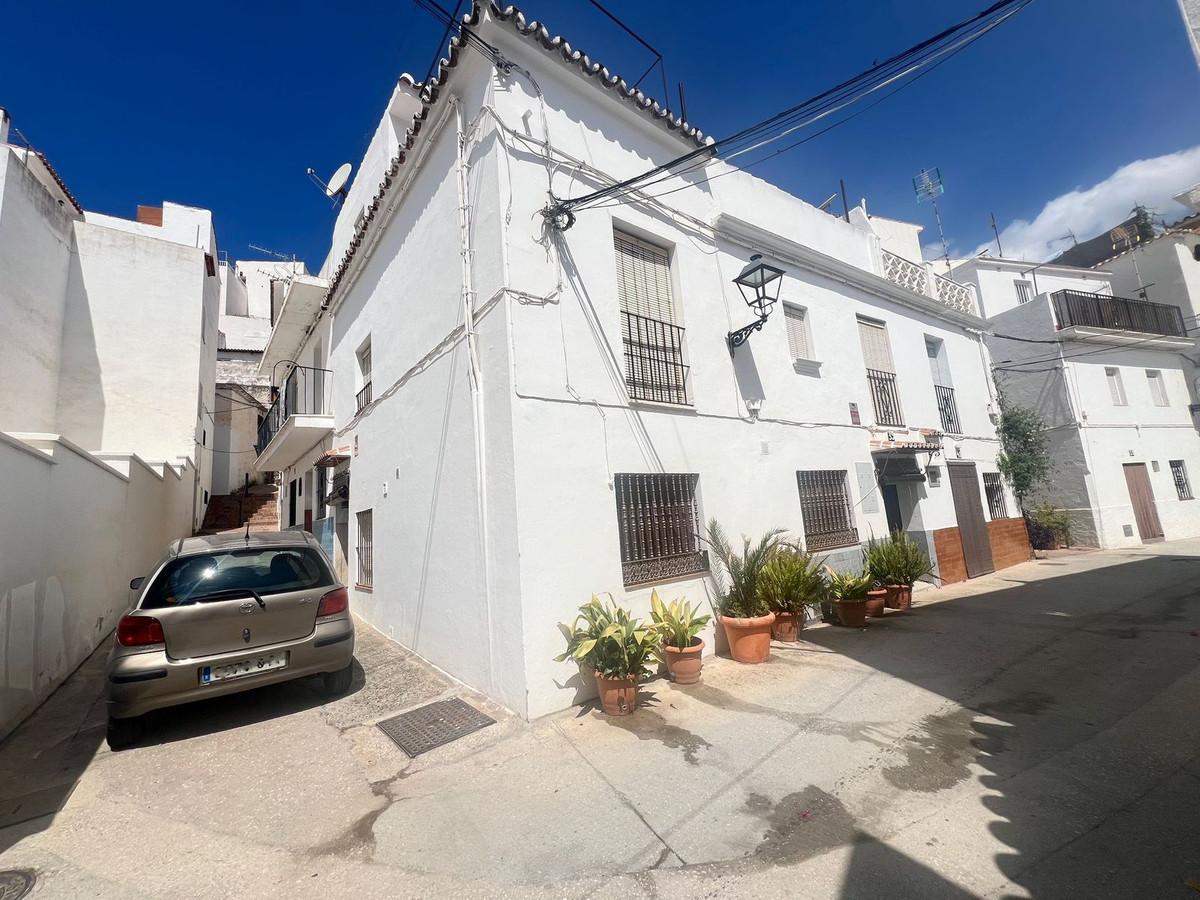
column 1158, row 387
column 1116, row 386
column 997, row 504
column 657, row 512
column 834, row 506
column 790, row 312
column 364, row 550
column 1024, row 290
column 1179, row 475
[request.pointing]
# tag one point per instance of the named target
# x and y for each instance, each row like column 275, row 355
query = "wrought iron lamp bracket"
column 735, row 339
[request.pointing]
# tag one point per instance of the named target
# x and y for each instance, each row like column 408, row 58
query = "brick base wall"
column 1010, row 545
column 952, row 566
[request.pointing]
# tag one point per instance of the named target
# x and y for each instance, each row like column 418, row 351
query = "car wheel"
column 339, row 682
column 123, row 733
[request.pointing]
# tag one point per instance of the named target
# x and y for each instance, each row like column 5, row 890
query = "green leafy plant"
column 677, row 622
column 849, row 587
column 607, row 639
column 896, row 559
column 1049, row 526
column 792, row 580
column 739, row 587
column 1024, row 459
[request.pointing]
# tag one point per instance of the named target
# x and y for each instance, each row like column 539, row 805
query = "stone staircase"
column 260, row 507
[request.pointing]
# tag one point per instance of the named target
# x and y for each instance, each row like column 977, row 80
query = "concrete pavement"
column 1031, row 733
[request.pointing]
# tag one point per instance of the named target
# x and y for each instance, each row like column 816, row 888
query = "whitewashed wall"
column 64, row 577
column 995, row 281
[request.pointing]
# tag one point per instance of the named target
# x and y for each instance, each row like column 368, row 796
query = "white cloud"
column 1089, row 211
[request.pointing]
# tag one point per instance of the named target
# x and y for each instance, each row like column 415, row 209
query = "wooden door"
column 968, row 509
column 1142, row 497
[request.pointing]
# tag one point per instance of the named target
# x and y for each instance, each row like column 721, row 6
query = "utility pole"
column 996, row 232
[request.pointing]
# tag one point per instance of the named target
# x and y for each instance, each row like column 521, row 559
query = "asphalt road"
column 1032, row 733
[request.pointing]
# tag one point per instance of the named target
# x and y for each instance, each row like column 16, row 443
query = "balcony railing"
column 1118, row 313
column 305, row 392
column 885, row 397
column 948, row 408
column 654, row 368
column 362, row 398
column 921, row 279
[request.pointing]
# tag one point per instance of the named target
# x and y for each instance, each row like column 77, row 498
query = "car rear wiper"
column 231, row 592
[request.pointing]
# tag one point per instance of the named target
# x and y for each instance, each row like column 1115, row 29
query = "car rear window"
column 272, row 570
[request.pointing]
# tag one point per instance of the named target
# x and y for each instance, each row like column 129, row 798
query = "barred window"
column 825, row 509
column 1183, row 487
column 659, row 522
column 994, row 489
column 1024, row 290
column 366, row 549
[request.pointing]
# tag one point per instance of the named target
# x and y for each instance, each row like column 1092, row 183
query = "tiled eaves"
column 430, row 91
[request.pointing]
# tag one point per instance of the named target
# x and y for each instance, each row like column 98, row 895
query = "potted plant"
column 901, row 563
column 680, row 645
column 741, row 608
column 849, row 591
column 791, row 582
column 615, row 646
column 879, row 559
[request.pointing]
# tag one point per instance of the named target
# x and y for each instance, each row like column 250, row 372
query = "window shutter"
column 876, row 350
column 797, row 332
column 643, row 278
column 1158, row 389
column 1115, row 388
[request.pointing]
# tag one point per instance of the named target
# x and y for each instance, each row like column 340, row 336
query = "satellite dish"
column 337, row 181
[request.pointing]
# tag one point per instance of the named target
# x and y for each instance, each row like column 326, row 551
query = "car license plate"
column 253, row 665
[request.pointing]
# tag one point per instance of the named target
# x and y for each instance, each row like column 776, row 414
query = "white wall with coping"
column 64, row 577
column 995, row 280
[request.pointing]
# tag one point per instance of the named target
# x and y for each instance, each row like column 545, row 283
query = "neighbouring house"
column 492, row 419
column 1110, row 377
column 108, row 332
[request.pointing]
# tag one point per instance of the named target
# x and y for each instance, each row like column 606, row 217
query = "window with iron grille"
column 659, row 523
column 651, row 339
column 994, row 489
column 1024, row 291
column 825, row 509
column 1183, row 487
column 366, row 549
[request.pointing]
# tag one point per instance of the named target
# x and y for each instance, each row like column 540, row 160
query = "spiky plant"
column 792, row 580
column 739, row 584
column 849, row 587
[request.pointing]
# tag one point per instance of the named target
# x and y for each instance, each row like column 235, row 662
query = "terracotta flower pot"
column 875, row 602
column 749, row 639
column 683, row 663
column 852, row 615
column 787, row 627
column 899, row 596
column 618, row 696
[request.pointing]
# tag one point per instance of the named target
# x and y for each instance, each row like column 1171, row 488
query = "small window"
column 1183, row 487
column 994, row 489
column 825, row 509
column 1158, row 389
column 799, row 338
column 1024, row 290
column 364, row 377
column 933, row 476
column 366, row 549
column 658, row 522
column 1116, row 387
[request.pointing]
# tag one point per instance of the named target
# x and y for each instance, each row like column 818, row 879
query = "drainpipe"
column 467, row 252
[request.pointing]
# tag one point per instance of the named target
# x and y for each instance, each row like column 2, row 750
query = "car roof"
column 207, row 543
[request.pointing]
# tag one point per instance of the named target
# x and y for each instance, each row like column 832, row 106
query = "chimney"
column 5, row 121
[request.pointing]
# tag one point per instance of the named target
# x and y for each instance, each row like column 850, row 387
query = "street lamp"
column 759, row 284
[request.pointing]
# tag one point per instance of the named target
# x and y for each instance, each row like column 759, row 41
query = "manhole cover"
column 420, row 730
column 15, row 883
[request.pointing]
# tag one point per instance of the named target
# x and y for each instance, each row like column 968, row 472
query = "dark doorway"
column 1142, row 497
column 891, row 506
column 968, row 509
column 292, row 502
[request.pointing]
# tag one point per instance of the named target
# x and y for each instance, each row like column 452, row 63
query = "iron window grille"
column 659, row 523
column 362, row 398
column 366, row 549
column 654, row 368
column 948, row 409
column 994, row 489
column 885, row 397
column 826, row 510
column 1183, row 487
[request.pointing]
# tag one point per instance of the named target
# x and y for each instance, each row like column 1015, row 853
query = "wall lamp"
column 759, row 284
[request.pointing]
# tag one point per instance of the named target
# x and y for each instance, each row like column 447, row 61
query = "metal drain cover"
column 420, row 730
column 15, row 883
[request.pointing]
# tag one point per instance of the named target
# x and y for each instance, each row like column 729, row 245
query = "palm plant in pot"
column 791, row 581
column 898, row 564
column 741, row 608
column 849, row 592
column 617, row 648
column 680, row 646
column 877, row 560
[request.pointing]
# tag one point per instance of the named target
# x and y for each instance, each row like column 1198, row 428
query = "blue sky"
column 225, row 105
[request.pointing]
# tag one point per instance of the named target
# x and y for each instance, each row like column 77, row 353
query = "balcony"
column 948, row 409
column 885, row 398
column 921, row 279
column 1075, row 309
column 362, row 398
column 654, row 368
column 300, row 417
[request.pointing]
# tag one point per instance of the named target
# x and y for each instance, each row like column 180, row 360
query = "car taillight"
column 333, row 603
column 139, row 631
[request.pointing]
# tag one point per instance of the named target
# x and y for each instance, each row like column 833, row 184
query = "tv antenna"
column 928, row 186
column 335, row 187
column 286, row 257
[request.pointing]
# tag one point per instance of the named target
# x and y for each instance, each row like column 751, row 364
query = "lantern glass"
column 759, row 282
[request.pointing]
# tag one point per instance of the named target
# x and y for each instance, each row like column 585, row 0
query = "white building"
column 108, row 332
column 1110, row 379
column 494, row 420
